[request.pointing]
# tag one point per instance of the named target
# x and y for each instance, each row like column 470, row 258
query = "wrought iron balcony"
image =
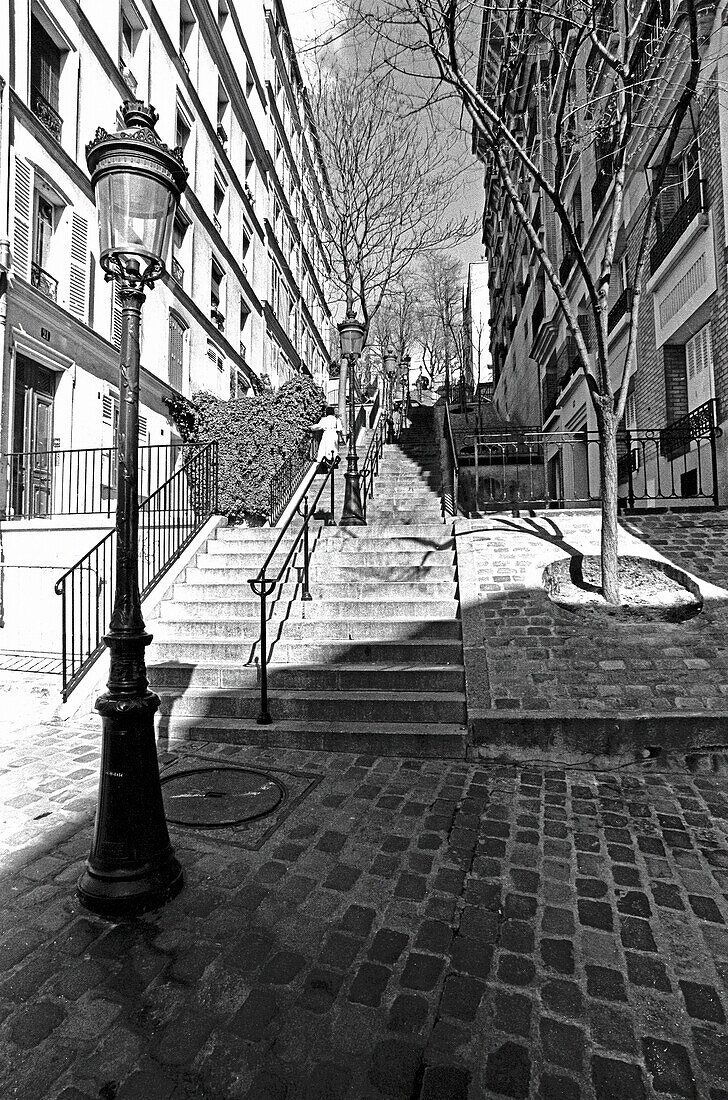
column 622, row 306
column 178, row 272
column 217, row 317
column 216, row 222
column 47, row 114
column 222, row 134
column 185, row 63
column 44, row 282
column 695, row 203
column 676, row 438
column 243, row 351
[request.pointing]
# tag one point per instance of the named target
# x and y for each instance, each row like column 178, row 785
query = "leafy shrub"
column 255, row 435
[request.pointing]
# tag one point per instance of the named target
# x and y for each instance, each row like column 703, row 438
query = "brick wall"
column 713, row 173
column 676, row 386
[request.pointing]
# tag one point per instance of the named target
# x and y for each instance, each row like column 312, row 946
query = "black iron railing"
column 695, row 203
column 43, row 281
column 532, row 468
column 286, row 480
column 370, row 466
column 451, row 481
column 265, row 583
column 46, row 113
column 178, row 272
column 168, row 521
column 40, row 484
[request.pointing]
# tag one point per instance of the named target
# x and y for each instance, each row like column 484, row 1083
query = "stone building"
column 682, row 365
column 244, row 299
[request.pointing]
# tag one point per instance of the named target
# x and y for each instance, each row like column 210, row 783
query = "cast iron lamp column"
column 352, row 341
column 131, row 867
column 389, row 366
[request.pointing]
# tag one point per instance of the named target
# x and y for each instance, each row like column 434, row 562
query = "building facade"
column 244, row 301
column 681, row 372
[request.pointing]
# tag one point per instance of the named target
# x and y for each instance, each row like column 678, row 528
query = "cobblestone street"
column 406, row 929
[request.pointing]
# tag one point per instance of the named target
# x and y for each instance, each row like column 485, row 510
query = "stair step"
column 437, row 678
column 216, row 574
column 348, row 569
column 363, row 630
column 335, row 553
column 351, row 706
column 182, row 629
column 426, row 741
column 324, row 606
column 419, row 651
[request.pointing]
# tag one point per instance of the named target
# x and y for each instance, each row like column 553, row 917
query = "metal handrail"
column 370, row 465
column 188, row 498
column 263, row 585
column 81, row 481
column 451, row 505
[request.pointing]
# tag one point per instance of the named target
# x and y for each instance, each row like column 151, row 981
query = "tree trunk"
column 343, row 374
column 610, row 531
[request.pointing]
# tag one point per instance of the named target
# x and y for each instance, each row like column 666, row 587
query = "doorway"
column 31, row 475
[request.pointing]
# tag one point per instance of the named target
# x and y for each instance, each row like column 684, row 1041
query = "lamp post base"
column 132, row 867
column 353, row 513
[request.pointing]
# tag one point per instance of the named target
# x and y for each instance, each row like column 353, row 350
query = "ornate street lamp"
column 389, row 365
column 406, row 361
column 351, row 332
column 131, row 867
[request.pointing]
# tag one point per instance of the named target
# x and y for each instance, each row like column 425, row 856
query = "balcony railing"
column 178, row 272
column 217, row 318
column 243, row 351
column 41, row 484
column 47, row 114
column 217, row 223
column 43, row 282
column 695, row 203
column 622, row 306
column 222, row 133
column 676, row 438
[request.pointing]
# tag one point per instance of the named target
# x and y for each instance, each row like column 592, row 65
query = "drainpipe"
column 5, row 266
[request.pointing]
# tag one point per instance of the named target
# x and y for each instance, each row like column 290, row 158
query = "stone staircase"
column 372, row 663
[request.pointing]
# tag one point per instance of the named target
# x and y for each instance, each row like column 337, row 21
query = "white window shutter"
column 115, row 334
column 22, row 214
column 77, row 289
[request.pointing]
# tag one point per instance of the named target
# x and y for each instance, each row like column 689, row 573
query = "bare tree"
column 439, row 315
column 640, row 86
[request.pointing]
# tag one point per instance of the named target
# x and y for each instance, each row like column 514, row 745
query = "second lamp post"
column 352, row 342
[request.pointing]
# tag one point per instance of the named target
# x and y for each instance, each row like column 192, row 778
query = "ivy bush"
column 255, row 435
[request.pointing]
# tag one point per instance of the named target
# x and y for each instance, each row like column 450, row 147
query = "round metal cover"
column 213, row 797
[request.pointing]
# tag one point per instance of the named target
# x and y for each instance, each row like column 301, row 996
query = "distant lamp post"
column 389, row 365
column 131, row 868
column 406, row 361
column 351, row 332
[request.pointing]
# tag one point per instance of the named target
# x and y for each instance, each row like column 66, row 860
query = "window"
column 244, row 315
column 46, row 59
column 247, row 237
column 186, row 28
column 699, row 364
column 218, row 199
column 178, row 240
column 177, row 335
column 222, row 13
column 216, row 294
column 681, row 182
column 216, row 356
column 248, row 80
column 182, row 127
column 223, row 113
column 130, row 29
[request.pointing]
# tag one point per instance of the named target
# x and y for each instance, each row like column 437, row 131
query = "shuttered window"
column 45, row 64
column 23, row 196
column 115, row 333
column 177, row 330
column 699, row 362
column 77, row 296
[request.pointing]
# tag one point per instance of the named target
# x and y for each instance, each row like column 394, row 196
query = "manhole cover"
column 211, row 797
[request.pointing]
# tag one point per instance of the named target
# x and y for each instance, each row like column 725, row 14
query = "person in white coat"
column 331, row 429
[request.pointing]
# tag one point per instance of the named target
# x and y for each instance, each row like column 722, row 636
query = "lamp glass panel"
column 136, row 214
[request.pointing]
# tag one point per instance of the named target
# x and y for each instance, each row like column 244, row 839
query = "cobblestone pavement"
column 411, row 929
column 527, row 654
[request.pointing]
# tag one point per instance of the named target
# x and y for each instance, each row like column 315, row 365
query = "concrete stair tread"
column 324, row 693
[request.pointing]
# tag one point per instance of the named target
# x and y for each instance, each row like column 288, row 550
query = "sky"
column 310, row 18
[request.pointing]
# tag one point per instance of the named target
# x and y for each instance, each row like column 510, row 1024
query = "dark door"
column 32, row 465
